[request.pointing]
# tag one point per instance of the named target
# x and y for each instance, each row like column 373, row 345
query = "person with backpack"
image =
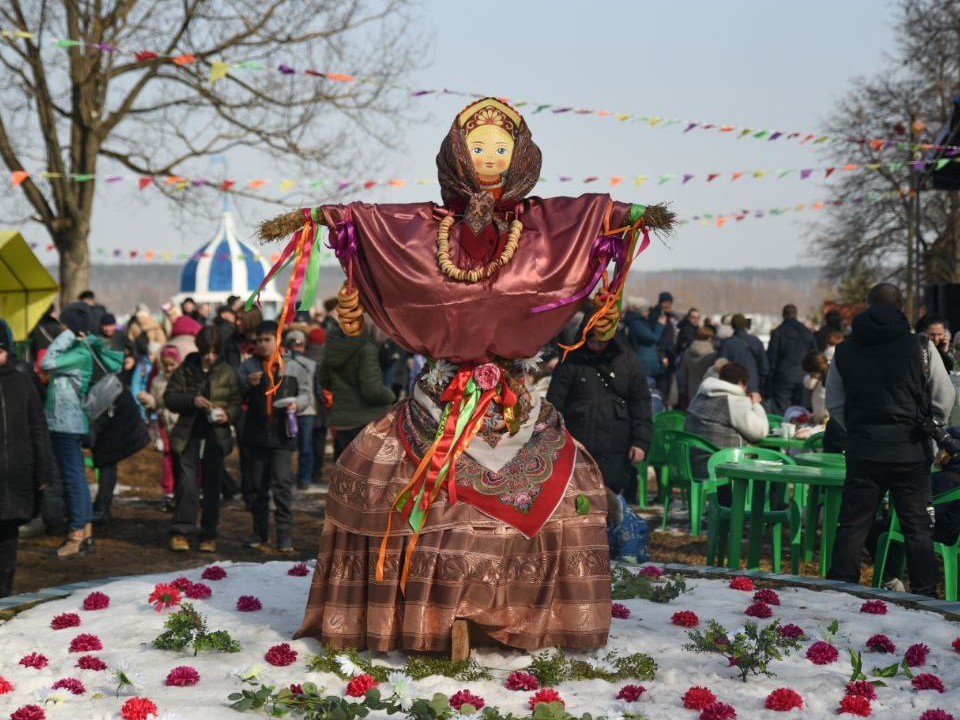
column 70, row 364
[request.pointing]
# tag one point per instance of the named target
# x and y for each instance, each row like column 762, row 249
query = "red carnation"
column 619, row 611
column 881, row 644
column 927, row 681
column 742, row 583
column 822, row 653
column 28, row 712
column 718, row 711
column 465, row 697
column 916, row 655
column 65, row 620
column 547, row 695
column 758, row 610
column 5, row 685
column 182, row 583
column 520, row 680
column 85, row 642
column 651, row 571
column 214, row 572
column 936, row 714
column 281, row 655
column 182, row 676
column 874, row 607
column 698, row 698
column 792, row 631
column 198, row 591
column 783, row 699
column 91, row 662
column 34, row 660
column 685, row 618
column 96, row 601
column 165, row 596
column 862, row 688
column 360, row 684
column 855, row 705
column 766, row 595
column 248, row 603
column 72, row 684
column 296, row 688
column 631, row 693
column 956, row 644
column 299, row 570
column 138, row 708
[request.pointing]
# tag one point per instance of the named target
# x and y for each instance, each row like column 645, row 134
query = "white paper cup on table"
column 788, row 430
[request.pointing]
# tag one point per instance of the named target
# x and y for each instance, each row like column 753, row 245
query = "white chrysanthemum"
column 51, row 695
column 247, row 674
column 347, row 666
column 533, row 363
column 127, row 676
column 402, row 688
column 602, row 663
column 441, row 373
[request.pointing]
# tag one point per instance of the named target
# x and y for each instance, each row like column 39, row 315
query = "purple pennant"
column 565, row 178
column 774, row 135
column 561, row 110
column 106, row 47
column 686, row 178
column 199, row 182
column 286, row 70
column 690, row 126
column 114, row 178
column 919, row 165
column 804, row 174
column 343, row 185
column 590, row 179
column 117, row 252
column 419, row 93
column 759, row 213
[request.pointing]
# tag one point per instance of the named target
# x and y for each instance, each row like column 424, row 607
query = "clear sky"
column 761, row 64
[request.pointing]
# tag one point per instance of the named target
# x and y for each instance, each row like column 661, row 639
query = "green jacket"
column 351, row 371
column 220, row 386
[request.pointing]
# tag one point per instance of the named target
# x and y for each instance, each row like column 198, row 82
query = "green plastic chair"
column 657, row 456
column 680, row 445
column 718, row 516
column 774, row 420
column 814, row 443
column 949, row 553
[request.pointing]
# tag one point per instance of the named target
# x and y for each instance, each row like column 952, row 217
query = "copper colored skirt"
column 528, row 593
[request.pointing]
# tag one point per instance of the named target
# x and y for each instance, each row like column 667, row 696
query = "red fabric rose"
column 791, row 631
column 758, row 610
column 874, row 607
column 28, row 712
column 65, row 620
column 214, row 572
column 697, row 698
column 862, row 688
column 138, row 708
column 768, row 596
column 927, row 681
column 72, row 685
column 299, row 570
column 718, row 711
column 822, row 653
column 881, row 643
column 249, row 603
column 5, row 685
column 360, row 684
column 96, row 601
column 651, row 571
column 619, row 611
column 198, row 591
column 281, row 655
column 631, row 693
column 855, row 705
column 182, row 676
column 487, row 376
column 916, row 655
column 520, row 680
column 936, row 714
column 91, row 662
column 783, row 699
column 742, row 583
column 34, row 660
column 547, row 695
column 956, row 644
column 465, row 697
column 685, row 618
column 182, row 583
column 85, row 642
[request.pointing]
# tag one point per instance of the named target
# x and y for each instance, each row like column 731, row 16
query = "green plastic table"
column 825, row 480
column 776, row 442
column 821, row 459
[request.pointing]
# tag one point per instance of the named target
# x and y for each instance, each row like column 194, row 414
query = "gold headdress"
column 490, row 111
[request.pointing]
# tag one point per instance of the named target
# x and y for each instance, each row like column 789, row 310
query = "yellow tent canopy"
column 26, row 288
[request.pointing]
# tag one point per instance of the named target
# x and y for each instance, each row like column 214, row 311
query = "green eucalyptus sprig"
column 750, row 650
column 629, row 585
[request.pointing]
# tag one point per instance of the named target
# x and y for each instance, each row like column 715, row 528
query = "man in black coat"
column 789, row 345
column 747, row 350
column 601, row 390
column 25, row 459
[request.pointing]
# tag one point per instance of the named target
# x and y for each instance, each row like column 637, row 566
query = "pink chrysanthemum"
column 91, row 662
column 956, row 644
column 182, row 676
column 742, row 583
column 281, row 655
column 758, row 610
column 521, row 680
column 718, row 711
column 299, row 570
column 85, row 642
column 249, row 603
column 927, row 681
column 874, row 607
column 138, row 708
column 936, row 714
column 296, row 688
column 619, row 611
column 783, row 699
column 822, row 653
column 73, row 685
column 792, row 631
column 766, row 595
column 360, row 684
column 916, row 655
column 198, row 591
column 96, row 601
column 862, row 688
column 651, row 571
column 28, row 712
column 855, row 705
column 34, row 660
column 65, row 620
column 5, row 685
column 164, row 596
column 698, row 697
column 547, row 695
column 685, row 618
column 181, row 583
column 214, row 572
column 465, row 697
column 881, row 643
column 631, row 693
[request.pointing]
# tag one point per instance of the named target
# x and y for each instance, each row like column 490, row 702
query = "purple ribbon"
column 343, row 239
column 605, row 248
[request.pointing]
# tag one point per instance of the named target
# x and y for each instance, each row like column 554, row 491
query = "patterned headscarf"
column 458, row 179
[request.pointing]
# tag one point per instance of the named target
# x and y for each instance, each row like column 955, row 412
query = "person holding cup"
column 205, row 392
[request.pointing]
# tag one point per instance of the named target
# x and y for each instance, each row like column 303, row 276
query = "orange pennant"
column 227, row 184
column 616, row 180
column 174, row 179
column 736, row 176
column 396, row 182
column 256, row 184
column 185, row 59
column 18, row 177
column 144, row 182
column 340, row 77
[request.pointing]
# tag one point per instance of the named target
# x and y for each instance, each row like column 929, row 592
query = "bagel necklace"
column 452, row 271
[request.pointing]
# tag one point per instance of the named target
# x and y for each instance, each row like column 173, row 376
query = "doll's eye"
column 477, row 150
column 501, row 151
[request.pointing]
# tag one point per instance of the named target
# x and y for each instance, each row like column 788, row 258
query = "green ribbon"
column 252, row 300
column 309, row 294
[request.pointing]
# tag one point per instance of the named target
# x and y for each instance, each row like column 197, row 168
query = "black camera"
column 941, row 436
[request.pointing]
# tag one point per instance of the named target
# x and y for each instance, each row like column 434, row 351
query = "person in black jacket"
column 789, row 344
column 602, row 393
column 25, row 459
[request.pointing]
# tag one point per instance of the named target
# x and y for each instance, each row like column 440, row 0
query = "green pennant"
column 67, row 43
column 784, row 173
column 895, row 167
column 82, row 177
column 761, row 135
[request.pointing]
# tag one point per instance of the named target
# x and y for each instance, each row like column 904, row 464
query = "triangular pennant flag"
column 727, row 128
column 665, row 179
column 759, row 173
column 227, row 184
column 744, row 133
column 828, row 172
column 67, row 43
column 82, row 177
column 850, row 166
column 804, row 174
column 145, row 55
column 712, row 176
column 218, row 71
column 616, row 180
column 174, row 179
column 721, row 221
column 144, row 182
column 396, row 182
column 941, row 162
column 17, row 177
column 256, row 184
column 185, row 59
column 686, row 178
column 288, row 184
column 639, row 180
column 369, row 184
column 761, row 135
column 340, row 77
column 736, row 176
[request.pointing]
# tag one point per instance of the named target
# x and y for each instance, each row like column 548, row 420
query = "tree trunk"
column 74, row 265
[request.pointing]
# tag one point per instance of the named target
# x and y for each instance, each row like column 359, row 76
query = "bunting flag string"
column 221, row 69
column 180, row 182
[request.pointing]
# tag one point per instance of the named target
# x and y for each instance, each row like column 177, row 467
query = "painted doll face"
column 491, row 148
